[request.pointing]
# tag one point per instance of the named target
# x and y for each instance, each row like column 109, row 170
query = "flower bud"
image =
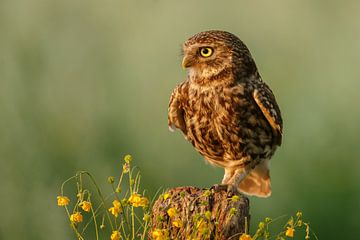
column 111, row 179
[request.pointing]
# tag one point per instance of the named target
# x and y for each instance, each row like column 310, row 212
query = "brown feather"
column 270, row 113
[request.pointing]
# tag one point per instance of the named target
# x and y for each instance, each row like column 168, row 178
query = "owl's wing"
column 176, row 111
column 265, row 99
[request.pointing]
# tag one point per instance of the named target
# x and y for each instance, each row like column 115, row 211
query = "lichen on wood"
column 193, row 213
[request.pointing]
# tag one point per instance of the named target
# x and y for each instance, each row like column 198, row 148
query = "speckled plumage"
column 226, row 111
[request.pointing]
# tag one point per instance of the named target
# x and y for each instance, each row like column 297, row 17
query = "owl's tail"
column 257, row 182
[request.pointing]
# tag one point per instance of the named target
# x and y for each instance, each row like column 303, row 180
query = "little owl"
column 227, row 111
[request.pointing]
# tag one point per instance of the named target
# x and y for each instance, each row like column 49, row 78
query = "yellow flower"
column 146, row 217
column 156, row 233
column 245, row 237
column 159, row 234
column 177, row 223
column 207, row 193
column 76, row 217
column 136, row 200
column 235, row 198
column 144, row 202
column 300, row 223
column 208, row 215
column 172, row 212
column 115, row 235
column 233, row 211
column 116, row 209
column 116, row 203
column 261, row 225
column 128, row 158
column 290, row 232
column 291, row 221
column 111, row 179
column 85, row 205
column 166, row 196
column 126, row 167
column 202, row 227
column 62, row 200
column 124, row 202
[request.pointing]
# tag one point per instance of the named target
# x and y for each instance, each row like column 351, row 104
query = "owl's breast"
column 224, row 124
column 212, row 118
column 199, row 118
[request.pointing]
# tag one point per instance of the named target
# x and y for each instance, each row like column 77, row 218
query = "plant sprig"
column 121, row 215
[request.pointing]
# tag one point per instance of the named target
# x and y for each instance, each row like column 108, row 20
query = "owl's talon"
column 220, row 187
column 229, row 188
column 232, row 190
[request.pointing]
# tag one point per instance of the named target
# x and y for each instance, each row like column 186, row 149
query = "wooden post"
column 187, row 213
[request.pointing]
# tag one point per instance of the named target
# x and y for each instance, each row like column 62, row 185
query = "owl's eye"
column 206, row 51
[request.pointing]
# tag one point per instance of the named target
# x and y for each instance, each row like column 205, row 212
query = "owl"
column 227, row 112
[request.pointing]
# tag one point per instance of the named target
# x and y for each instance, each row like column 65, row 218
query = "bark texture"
column 193, row 213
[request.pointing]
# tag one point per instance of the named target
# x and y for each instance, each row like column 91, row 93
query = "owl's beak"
column 187, row 61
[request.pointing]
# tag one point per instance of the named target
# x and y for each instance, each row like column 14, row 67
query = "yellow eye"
column 206, row 51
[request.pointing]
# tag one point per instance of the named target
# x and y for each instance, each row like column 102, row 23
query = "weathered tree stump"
column 193, row 213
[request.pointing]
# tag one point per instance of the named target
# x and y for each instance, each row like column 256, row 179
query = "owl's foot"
column 219, row 187
column 229, row 188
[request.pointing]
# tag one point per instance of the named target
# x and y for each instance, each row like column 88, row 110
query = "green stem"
column 95, row 223
column 120, row 180
column 144, row 231
column 63, row 184
column 133, row 222
column 100, row 195
column 78, row 235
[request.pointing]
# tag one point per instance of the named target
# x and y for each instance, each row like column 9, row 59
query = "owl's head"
column 216, row 56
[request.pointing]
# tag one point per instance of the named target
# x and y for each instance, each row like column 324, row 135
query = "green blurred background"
column 84, row 82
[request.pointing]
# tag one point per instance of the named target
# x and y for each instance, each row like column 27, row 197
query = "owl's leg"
column 231, row 181
column 229, row 173
column 226, row 184
column 240, row 174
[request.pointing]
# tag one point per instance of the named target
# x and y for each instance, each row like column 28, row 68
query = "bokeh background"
column 84, row 82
